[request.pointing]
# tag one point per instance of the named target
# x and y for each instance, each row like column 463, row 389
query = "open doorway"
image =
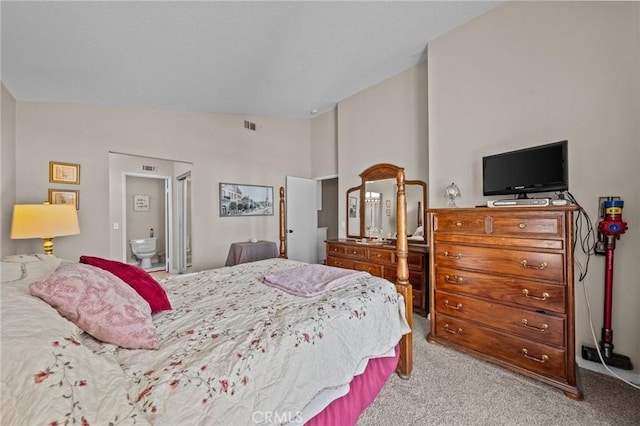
column 152, row 200
column 147, row 220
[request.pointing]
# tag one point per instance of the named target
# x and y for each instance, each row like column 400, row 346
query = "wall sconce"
column 45, row 221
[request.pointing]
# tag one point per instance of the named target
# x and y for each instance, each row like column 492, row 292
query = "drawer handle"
column 453, row 256
column 540, row 266
column 458, row 223
column 541, row 329
column 452, row 331
column 455, row 280
column 457, row 307
column 378, row 256
column 545, row 295
column 522, row 225
column 354, row 252
column 543, row 358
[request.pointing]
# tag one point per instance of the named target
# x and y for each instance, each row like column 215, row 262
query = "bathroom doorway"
column 144, row 193
column 147, row 219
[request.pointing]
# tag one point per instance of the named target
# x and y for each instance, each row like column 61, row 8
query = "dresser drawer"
column 375, row 270
column 340, row 262
column 416, row 261
column 336, row 249
column 522, row 263
column 459, row 222
column 417, row 279
column 514, row 350
column 518, row 223
column 523, row 224
column 357, row 252
column 529, row 324
column 377, row 255
column 530, row 294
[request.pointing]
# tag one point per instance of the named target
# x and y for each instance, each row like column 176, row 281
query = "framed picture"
column 141, row 203
column 388, row 212
column 64, row 173
column 245, row 200
column 353, row 207
column 388, row 204
column 64, row 196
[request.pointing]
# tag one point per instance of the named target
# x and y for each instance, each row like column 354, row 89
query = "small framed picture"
column 64, row 173
column 141, row 203
column 65, row 196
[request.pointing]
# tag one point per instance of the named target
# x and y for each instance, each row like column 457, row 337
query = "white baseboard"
column 629, row 376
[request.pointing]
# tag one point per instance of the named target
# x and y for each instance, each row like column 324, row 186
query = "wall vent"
column 148, row 168
column 249, row 125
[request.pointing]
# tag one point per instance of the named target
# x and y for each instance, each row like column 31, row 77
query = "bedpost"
column 283, row 224
column 405, row 364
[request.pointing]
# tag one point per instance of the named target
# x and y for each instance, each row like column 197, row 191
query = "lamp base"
column 47, row 244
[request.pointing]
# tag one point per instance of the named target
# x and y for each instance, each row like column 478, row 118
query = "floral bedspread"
column 233, row 351
column 48, row 376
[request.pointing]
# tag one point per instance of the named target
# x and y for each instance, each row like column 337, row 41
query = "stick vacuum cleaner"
column 612, row 226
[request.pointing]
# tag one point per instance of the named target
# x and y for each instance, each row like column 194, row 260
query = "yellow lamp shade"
column 44, row 221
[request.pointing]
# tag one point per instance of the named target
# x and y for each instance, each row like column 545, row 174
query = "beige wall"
column 386, row 123
column 324, row 145
column 218, row 146
column 529, row 73
column 7, row 167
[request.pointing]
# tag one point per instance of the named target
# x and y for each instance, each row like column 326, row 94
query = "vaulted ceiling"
column 274, row 58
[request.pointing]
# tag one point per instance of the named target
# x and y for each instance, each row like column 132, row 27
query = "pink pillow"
column 137, row 278
column 99, row 303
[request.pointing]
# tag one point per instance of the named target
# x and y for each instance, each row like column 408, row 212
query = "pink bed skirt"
column 363, row 390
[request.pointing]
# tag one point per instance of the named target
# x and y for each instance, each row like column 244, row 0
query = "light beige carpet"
column 451, row 388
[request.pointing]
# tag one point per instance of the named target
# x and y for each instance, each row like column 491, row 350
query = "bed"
column 98, row 342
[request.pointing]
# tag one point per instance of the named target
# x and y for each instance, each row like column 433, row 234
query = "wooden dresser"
column 381, row 262
column 502, row 289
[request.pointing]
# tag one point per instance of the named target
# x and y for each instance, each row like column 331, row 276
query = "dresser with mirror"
column 371, row 231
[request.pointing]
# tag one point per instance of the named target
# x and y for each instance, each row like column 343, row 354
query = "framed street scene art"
column 245, row 200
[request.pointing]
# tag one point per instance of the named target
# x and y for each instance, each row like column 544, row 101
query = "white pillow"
column 418, row 232
column 24, row 269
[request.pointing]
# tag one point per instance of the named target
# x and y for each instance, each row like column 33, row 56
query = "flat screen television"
column 542, row 168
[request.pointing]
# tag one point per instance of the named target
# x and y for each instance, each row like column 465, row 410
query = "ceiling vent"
column 148, row 168
column 249, row 125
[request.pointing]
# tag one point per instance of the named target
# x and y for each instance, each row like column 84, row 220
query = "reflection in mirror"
column 373, row 214
column 414, row 209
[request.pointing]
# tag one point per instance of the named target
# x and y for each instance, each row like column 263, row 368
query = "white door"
column 302, row 219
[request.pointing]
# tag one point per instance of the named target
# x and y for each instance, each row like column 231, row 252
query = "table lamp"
column 44, row 221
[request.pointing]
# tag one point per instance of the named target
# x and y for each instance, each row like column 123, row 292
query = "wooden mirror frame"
column 383, row 171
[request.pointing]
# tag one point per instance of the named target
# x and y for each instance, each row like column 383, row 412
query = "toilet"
column 144, row 250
